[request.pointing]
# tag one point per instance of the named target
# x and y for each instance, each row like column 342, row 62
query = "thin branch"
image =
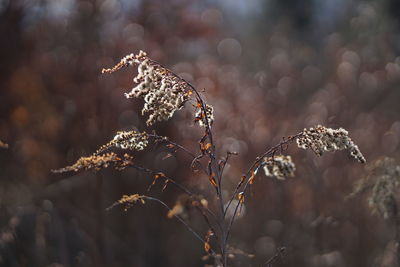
column 276, row 257
column 195, row 158
column 165, row 139
column 256, row 164
column 245, row 180
column 396, row 222
column 183, row 189
column 178, row 185
column 225, row 161
column 182, row 221
column 211, row 153
column 200, row 100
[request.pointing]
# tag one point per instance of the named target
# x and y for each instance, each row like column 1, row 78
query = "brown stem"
column 183, row 189
column 257, row 162
column 212, row 252
column 246, row 179
column 187, row 151
column 212, row 155
column 396, row 221
column 165, row 139
column 274, row 258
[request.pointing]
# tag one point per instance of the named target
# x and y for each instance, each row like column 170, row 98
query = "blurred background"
column 269, row 68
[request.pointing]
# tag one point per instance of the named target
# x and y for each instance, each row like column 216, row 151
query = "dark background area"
column 269, row 68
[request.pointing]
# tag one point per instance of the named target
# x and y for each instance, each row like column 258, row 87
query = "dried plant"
column 382, row 184
column 321, row 139
column 164, row 93
column 98, row 162
column 279, row 166
column 130, row 140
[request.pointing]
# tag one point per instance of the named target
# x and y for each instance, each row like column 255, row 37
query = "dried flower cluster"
column 129, row 201
column 162, row 91
column 3, row 145
column 382, row 181
column 321, row 139
column 200, row 117
column 131, row 140
column 98, row 162
column 279, row 167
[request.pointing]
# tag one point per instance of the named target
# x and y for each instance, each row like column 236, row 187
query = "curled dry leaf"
column 241, row 197
column 253, row 175
column 212, row 180
column 207, row 246
column 156, row 177
column 205, row 147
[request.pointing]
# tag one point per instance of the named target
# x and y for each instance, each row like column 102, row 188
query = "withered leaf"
column 207, row 146
column 212, row 180
column 207, row 246
column 241, row 197
column 253, row 174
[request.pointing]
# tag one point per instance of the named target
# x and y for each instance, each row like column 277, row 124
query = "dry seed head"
column 279, row 167
column 321, row 139
column 126, row 61
column 130, row 200
column 382, row 184
column 131, row 140
column 162, row 91
column 98, row 162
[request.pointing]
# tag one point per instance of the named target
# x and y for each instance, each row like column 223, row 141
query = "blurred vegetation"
column 269, row 68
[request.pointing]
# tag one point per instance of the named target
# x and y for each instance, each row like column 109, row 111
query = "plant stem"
column 181, row 220
column 396, row 221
